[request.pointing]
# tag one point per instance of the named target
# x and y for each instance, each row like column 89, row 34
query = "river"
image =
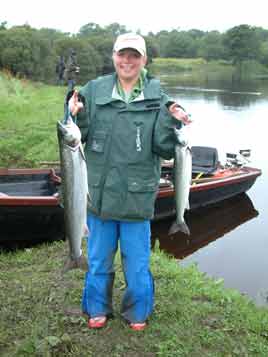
column 229, row 240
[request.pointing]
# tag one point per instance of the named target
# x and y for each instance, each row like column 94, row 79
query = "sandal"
column 140, row 326
column 97, row 322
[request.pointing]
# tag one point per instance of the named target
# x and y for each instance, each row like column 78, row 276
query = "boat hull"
column 31, row 223
column 208, row 191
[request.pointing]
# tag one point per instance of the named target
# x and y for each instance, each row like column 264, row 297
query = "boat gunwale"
column 244, row 174
column 25, row 171
column 29, row 201
column 211, row 183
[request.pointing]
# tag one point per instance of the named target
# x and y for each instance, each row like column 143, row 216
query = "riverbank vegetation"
column 34, row 54
column 200, row 69
column 192, row 69
column 28, row 115
column 194, row 315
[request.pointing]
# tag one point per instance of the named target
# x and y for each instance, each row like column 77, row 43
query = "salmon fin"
column 78, row 263
column 179, row 227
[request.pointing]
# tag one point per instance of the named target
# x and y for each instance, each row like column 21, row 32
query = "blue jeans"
column 134, row 238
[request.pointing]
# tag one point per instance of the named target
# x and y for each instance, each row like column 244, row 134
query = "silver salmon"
column 74, row 191
column 182, row 178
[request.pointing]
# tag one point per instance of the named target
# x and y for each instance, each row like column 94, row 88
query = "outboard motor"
column 245, row 153
column 238, row 160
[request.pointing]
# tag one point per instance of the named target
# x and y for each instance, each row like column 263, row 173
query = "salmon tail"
column 78, row 263
column 179, row 227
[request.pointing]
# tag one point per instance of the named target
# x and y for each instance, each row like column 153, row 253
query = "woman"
column 127, row 124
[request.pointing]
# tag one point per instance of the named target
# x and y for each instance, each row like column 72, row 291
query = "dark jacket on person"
column 71, row 68
column 123, row 146
column 60, row 67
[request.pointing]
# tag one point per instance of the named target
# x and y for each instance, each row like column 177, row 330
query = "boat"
column 212, row 181
column 30, row 206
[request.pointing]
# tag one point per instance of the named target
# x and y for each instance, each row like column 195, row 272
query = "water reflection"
column 229, row 94
column 206, row 225
column 235, row 100
column 230, row 98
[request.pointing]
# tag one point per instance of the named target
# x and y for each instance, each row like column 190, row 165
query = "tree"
column 116, row 29
column 264, row 53
column 242, row 43
column 162, row 38
column 3, row 25
column 211, row 46
column 91, row 29
column 180, row 45
column 104, row 47
column 196, row 34
column 152, row 48
column 24, row 52
column 19, row 49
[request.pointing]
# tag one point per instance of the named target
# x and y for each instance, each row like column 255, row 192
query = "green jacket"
column 123, row 146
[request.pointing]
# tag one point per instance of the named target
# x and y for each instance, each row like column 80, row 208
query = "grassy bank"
column 199, row 70
column 177, row 64
column 28, row 115
column 194, row 316
column 192, row 69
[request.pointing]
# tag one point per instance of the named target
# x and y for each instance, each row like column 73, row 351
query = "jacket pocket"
column 141, row 197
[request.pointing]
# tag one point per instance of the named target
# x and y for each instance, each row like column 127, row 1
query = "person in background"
column 60, row 67
column 127, row 124
column 71, row 70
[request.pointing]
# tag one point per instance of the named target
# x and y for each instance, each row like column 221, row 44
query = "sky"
column 143, row 15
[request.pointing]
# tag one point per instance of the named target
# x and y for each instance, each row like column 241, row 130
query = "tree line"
column 32, row 53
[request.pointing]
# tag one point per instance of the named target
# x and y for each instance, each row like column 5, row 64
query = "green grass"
column 194, row 315
column 190, row 71
column 28, row 115
column 187, row 65
column 178, row 64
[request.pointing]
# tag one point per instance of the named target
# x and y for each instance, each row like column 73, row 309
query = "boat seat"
column 204, row 160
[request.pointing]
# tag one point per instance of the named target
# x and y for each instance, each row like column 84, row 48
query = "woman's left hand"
column 177, row 112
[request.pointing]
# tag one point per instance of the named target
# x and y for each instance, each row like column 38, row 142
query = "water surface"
column 229, row 240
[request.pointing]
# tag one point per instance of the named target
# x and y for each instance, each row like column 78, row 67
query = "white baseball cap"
column 130, row 40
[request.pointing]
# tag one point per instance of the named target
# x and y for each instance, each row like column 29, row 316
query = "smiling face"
column 128, row 64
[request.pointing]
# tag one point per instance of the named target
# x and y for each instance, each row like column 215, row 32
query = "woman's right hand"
column 74, row 105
